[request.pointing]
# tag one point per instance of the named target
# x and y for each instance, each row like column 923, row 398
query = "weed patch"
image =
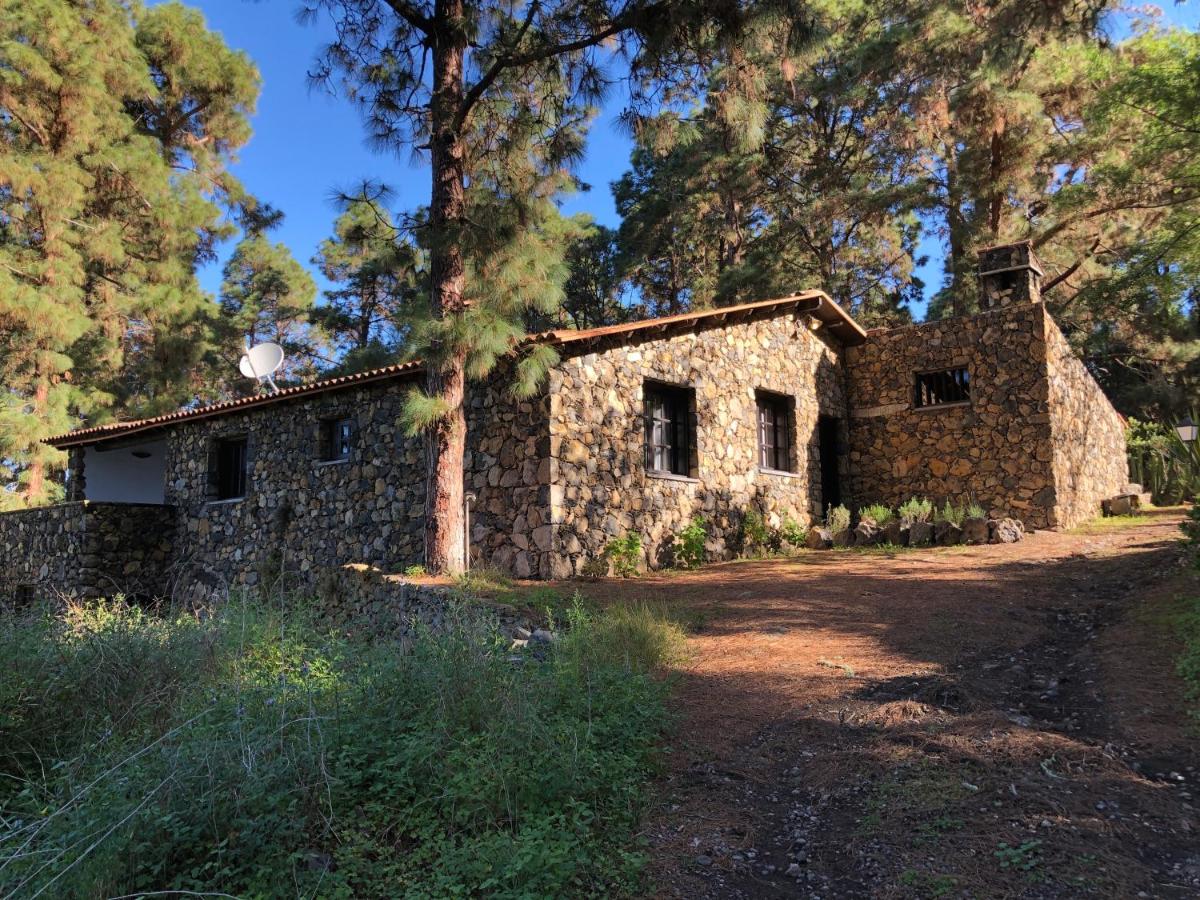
column 247, row 749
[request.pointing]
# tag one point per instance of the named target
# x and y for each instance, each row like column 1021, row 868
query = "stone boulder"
column 866, row 534
column 1005, row 531
column 893, row 534
column 844, row 538
column 947, row 534
column 975, row 530
column 819, row 538
column 920, row 534
column 1120, row 505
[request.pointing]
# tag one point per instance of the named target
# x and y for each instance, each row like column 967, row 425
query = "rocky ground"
column 995, row 721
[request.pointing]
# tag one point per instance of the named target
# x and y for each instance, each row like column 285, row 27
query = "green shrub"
column 1161, row 462
column 417, row 571
column 877, row 513
column 275, row 759
column 689, row 544
column 757, row 537
column 624, row 554
column 915, row 509
column 793, row 532
column 837, row 518
column 975, row 511
column 950, row 513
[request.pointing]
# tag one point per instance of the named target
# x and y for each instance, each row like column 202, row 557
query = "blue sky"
column 306, row 144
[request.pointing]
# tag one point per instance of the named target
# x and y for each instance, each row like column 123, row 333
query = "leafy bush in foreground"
column 250, row 753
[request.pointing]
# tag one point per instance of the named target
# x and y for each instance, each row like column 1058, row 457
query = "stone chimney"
column 1009, row 275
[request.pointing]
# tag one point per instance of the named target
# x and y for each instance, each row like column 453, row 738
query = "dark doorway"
column 831, row 488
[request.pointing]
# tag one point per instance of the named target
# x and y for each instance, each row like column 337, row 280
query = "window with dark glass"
column 336, row 435
column 774, row 432
column 230, row 469
column 942, row 387
column 669, row 432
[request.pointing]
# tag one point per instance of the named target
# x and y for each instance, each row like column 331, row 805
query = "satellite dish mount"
column 261, row 362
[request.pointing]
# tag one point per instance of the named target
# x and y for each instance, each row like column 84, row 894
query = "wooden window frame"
column 670, row 428
column 336, row 439
column 230, row 478
column 942, row 387
column 775, row 418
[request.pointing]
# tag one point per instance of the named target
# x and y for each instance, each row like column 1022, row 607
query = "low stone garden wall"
column 84, row 550
column 976, row 530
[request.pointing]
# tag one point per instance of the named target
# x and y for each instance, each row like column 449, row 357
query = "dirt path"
column 988, row 722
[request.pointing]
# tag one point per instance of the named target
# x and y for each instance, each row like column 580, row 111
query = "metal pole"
column 468, row 499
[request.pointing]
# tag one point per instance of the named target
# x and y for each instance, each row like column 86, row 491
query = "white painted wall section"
column 133, row 473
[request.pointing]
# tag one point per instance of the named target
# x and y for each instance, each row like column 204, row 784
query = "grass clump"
column 975, row 511
column 246, row 750
column 951, row 513
column 915, row 509
column 876, row 513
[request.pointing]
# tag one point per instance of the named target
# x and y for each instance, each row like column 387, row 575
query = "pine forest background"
column 776, row 146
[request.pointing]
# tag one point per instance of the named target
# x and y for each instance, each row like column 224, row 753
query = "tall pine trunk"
column 35, row 486
column 445, row 542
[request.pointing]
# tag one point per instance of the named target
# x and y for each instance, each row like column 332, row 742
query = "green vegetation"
column 837, row 519
column 1025, row 856
column 244, row 750
column 417, row 571
column 915, row 509
column 877, row 513
column 1164, row 465
column 793, row 533
column 624, row 554
column 757, row 537
column 689, row 544
column 975, row 511
column 950, row 513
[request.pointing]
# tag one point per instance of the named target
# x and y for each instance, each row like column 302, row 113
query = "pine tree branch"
column 411, row 15
column 511, row 60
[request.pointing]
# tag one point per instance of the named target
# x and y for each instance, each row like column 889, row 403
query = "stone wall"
column 301, row 514
column 600, row 486
column 995, row 450
column 1088, row 455
column 85, row 550
column 508, row 468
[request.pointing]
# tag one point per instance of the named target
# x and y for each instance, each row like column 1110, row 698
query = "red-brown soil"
column 999, row 721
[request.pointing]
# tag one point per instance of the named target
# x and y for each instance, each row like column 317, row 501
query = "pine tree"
column 500, row 107
column 380, row 293
column 266, row 295
column 99, row 228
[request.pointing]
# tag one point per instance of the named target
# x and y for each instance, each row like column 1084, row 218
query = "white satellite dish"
column 261, row 362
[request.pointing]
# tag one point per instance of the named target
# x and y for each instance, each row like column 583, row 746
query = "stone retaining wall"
column 85, row 550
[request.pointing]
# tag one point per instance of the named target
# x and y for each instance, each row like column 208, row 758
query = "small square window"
column 775, row 432
column 336, row 437
column 230, row 468
column 670, row 433
column 942, row 387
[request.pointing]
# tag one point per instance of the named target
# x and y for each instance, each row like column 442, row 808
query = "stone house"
column 784, row 406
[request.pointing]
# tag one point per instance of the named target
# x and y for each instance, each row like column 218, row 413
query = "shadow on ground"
column 935, row 723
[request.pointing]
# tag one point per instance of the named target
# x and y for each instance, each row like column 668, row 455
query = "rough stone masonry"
column 778, row 408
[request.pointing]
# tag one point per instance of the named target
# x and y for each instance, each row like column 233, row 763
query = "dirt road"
column 996, row 721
